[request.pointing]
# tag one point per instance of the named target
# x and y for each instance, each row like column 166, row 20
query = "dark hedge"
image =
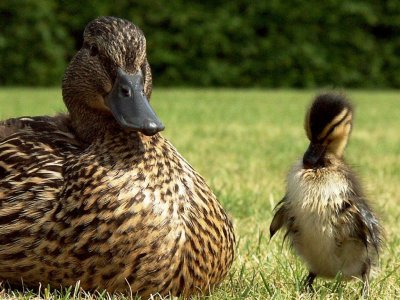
column 236, row 43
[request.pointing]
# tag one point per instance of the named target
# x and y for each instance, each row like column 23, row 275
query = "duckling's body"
column 108, row 206
column 324, row 216
column 328, row 220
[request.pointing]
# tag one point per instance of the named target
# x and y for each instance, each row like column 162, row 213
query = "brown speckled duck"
column 98, row 195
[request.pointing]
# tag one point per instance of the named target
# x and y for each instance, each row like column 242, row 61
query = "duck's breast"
column 148, row 220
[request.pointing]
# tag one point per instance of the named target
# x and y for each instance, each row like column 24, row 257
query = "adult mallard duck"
column 327, row 218
column 98, row 195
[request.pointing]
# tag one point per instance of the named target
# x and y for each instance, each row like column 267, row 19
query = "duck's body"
column 107, row 206
column 327, row 217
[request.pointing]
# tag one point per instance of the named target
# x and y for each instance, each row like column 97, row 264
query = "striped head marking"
column 117, row 40
column 109, row 44
column 328, row 125
column 109, row 79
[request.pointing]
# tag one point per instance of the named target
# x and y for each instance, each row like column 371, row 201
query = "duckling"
column 98, row 195
column 327, row 217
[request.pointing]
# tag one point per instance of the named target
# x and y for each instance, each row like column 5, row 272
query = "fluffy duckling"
column 325, row 213
column 98, row 195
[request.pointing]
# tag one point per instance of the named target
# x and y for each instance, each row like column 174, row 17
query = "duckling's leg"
column 365, row 278
column 309, row 281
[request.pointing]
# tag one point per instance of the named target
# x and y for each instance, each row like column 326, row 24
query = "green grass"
column 243, row 142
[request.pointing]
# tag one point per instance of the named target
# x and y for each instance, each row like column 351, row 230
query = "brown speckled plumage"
column 82, row 198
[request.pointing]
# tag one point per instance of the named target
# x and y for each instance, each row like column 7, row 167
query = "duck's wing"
column 28, row 142
column 362, row 224
column 367, row 227
column 57, row 127
column 279, row 219
column 33, row 152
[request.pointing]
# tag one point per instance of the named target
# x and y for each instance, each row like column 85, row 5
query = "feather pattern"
column 109, row 207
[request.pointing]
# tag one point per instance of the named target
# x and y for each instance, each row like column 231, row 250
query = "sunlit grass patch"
column 244, row 142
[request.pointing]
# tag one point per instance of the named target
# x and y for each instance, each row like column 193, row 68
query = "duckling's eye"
column 93, row 50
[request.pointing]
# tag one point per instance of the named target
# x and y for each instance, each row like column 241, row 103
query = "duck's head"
column 328, row 125
column 108, row 82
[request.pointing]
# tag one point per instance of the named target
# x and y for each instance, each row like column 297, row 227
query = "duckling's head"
column 108, row 82
column 328, row 125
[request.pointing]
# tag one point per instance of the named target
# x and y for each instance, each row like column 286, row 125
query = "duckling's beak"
column 129, row 104
column 313, row 155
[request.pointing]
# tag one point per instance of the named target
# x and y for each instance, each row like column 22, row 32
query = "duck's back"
column 32, row 154
column 32, row 149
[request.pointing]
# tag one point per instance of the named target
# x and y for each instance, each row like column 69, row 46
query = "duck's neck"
column 128, row 151
column 91, row 126
column 88, row 126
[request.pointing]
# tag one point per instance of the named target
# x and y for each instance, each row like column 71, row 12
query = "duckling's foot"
column 365, row 290
column 365, row 279
column 308, row 281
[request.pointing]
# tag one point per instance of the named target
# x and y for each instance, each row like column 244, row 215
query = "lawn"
column 243, row 142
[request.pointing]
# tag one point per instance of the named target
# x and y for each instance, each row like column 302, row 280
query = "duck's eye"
column 93, row 50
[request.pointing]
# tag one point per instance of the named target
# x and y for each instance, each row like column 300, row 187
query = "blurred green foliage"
column 292, row 43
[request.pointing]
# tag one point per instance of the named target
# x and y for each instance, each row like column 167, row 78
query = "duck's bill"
column 130, row 106
column 313, row 155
